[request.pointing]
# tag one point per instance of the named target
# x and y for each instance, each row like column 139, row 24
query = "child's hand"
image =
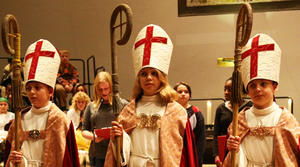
column 218, row 161
column 233, row 143
column 116, row 130
column 15, row 157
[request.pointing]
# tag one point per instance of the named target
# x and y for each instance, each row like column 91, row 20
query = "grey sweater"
column 96, row 118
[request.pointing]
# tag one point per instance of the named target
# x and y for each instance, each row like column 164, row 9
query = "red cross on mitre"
column 35, row 58
column 253, row 53
column 148, row 40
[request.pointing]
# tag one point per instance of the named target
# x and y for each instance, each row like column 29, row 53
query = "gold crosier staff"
column 243, row 31
column 11, row 39
column 124, row 37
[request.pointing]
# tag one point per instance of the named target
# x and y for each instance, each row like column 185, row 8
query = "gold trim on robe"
column 286, row 135
column 54, row 134
column 172, row 128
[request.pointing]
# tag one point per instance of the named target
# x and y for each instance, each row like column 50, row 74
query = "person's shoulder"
column 11, row 114
column 221, row 108
column 89, row 105
column 57, row 119
column 175, row 106
column 72, row 66
column 129, row 106
column 285, row 113
column 195, row 109
column 222, row 105
column 70, row 112
column 57, row 112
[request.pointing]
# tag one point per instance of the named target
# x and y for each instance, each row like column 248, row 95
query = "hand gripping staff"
column 243, row 31
column 11, row 39
column 124, row 37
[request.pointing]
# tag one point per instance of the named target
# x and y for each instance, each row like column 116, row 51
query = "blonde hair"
column 102, row 76
column 79, row 96
column 165, row 91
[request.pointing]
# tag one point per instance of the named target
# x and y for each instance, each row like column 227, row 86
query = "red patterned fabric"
column 67, row 73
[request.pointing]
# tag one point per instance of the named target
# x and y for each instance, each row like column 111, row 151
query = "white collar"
column 227, row 105
column 265, row 111
column 154, row 98
column 42, row 109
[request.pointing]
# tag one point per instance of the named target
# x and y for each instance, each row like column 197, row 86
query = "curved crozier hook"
column 244, row 24
column 9, row 24
column 128, row 12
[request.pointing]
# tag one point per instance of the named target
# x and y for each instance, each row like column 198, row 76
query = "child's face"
column 38, row 94
column 149, row 81
column 3, row 107
column 261, row 92
column 184, row 95
column 228, row 90
column 81, row 104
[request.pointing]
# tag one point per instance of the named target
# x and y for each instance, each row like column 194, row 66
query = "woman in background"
column 76, row 112
column 99, row 114
column 79, row 103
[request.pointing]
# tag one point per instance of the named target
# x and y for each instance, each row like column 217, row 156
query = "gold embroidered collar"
column 148, row 121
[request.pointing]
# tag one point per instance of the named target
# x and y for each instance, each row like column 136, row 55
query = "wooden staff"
column 124, row 37
column 11, row 39
column 243, row 31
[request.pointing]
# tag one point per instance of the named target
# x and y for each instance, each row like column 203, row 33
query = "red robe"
column 60, row 147
column 176, row 136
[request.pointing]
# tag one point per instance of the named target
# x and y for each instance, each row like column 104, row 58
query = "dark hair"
column 229, row 79
column 78, row 85
column 184, row 84
column 244, row 90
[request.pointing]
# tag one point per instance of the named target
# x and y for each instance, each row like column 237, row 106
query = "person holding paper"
column 99, row 114
column 154, row 129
